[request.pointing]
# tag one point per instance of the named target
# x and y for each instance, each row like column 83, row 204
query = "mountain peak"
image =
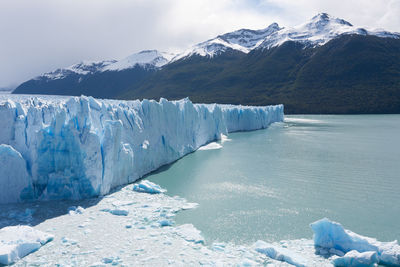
column 321, row 16
column 323, row 19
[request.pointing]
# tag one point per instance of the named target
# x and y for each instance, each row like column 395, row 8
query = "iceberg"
column 80, row 147
column 331, row 237
column 18, row 241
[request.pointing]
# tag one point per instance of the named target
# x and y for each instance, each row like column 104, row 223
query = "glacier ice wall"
column 80, row 147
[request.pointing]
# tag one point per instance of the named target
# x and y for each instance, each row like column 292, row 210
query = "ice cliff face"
column 79, row 147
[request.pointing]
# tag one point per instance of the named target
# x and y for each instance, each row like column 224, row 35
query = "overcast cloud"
column 37, row 36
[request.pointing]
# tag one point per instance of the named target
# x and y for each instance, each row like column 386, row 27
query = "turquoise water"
column 271, row 184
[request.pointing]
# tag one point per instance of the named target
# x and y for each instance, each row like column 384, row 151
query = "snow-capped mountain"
column 318, row 31
column 82, row 68
column 145, row 59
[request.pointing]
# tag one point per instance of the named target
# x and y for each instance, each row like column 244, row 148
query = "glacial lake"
column 271, row 184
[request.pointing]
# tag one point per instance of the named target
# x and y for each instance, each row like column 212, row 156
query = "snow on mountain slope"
column 79, row 147
column 83, row 68
column 143, row 58
column 318, row 31
column 243, row 40
column 147, row 58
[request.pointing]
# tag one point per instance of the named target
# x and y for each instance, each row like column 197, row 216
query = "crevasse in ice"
column 80, row 147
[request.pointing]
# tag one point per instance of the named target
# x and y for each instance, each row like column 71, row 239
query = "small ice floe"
column 18, row 241
column 165, row 222
column 280, row 254
column 112, row 260
column 357, row 259
column 189, row 205
column 225, row 138
column 247, row 263
column 145, row 144
column 331, row 236
column 301, row 120
column 148, row 187
column 117, row 212
column 218, row 246
column 75, row 210
column 189, row 233
column 211, row 146
column 68, row 241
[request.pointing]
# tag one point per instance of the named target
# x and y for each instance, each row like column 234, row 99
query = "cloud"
column 42, row 35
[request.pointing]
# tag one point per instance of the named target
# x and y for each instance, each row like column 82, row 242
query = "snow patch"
column 145, row 58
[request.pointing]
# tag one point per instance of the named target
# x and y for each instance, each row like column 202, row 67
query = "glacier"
column 81, row 147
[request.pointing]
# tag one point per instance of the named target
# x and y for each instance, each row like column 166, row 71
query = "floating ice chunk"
column 280, row 254
column 67, row 241
column 145, row 144
column 75, row 210
column 211, row 146
column 224, row 138
column 18, row 241
column 148, row 187
column 330, row 235
column 189, row 233
column 118, row 212
column 218, row 246
column 111, row 260
column 165, row 223
column 190, row 205
column 247, row 263
column 356, row 259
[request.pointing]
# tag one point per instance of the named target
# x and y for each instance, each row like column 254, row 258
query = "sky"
column 38, row 36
